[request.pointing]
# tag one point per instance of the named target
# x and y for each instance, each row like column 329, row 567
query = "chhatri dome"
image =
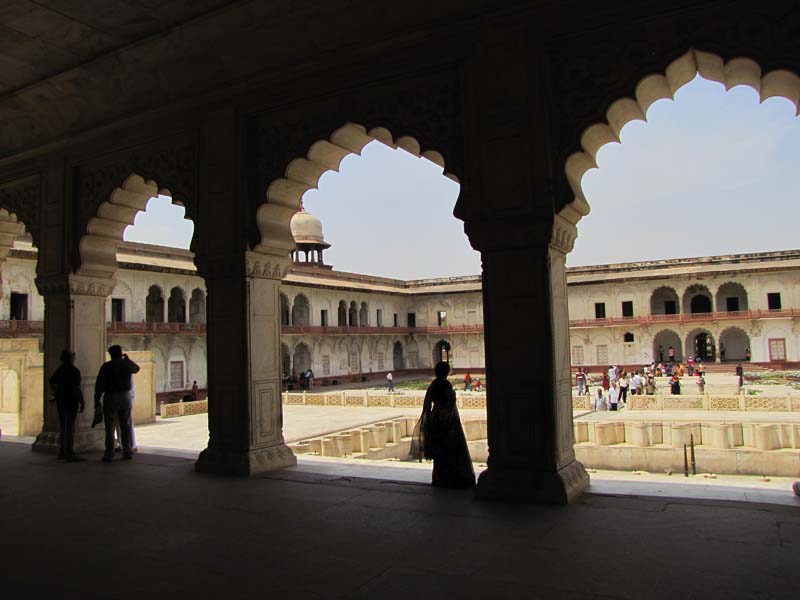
column 308, row 239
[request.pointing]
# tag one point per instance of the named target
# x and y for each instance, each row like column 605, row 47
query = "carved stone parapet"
column 245, row 463
column 266, row 266
column 76, row 285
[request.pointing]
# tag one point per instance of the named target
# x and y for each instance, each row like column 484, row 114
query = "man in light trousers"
column 114, row 386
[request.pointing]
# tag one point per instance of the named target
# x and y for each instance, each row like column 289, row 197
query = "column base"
column 247, row 463
column 538, row 487
column 85, row 441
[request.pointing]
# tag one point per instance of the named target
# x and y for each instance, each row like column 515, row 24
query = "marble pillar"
column 245, row 417
column 74, row 309
column 529, row 402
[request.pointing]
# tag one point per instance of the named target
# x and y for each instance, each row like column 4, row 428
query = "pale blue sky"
column 712, row 172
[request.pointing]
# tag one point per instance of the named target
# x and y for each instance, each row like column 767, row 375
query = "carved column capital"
column 76, row 285
column 266, row 266
column 564, row 234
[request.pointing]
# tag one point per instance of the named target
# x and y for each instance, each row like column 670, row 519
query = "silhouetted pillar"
column 529, row 400
column 245, row 414
column 75, row 319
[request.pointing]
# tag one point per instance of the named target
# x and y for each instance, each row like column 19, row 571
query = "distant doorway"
column 704, row 346
column 441, row 352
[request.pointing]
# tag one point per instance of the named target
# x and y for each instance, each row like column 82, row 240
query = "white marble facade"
column 749, row 304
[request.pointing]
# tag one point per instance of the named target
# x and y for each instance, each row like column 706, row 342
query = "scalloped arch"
column 10, row 229
column 98, row 246
column 737, row 71
column 303, row 174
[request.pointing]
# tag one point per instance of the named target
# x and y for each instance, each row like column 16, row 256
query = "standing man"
column 661, row 354
column 580, row 379
column 722, row 352
column 390, row 382
column 66, row 386
column 467, row 382
column 114, row 386
column 671, row 352
column 196, row 391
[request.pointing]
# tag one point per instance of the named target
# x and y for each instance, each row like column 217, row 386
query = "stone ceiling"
column 41, row 38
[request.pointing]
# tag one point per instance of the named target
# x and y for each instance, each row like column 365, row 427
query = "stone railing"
column 180, row 409
column 759, row 436
column 130, row 327
column 686, row 318
column 380, row 440
column 14, row 328
column 373, row 330
column 708, row 402
column 372, row 398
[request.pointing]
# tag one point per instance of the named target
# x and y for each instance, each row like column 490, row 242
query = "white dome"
column 306, row 228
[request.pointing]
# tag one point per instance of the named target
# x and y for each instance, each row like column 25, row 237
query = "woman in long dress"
column 439, row 435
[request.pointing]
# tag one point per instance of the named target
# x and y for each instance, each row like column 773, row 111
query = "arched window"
column 301, row 311
column 197, row 306
column 628, row 338
column 731, row 297
column 176, row 309
column 342, row 316
column 154, row 310
column 363, row 315
column 353, row 316
column 285, row 315
column 398, row 359
column 664, row 301
column 697, row 299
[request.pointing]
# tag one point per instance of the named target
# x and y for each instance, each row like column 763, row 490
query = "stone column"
column 245, row 414
column 529, row 401
column 74, row 318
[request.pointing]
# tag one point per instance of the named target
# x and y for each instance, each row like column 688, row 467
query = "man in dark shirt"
column 114, row 386
column 66, row 386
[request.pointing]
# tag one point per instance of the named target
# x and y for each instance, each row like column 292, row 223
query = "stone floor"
column 152, row 527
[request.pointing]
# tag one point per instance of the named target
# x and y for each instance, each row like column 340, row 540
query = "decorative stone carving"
column 564, row 235
column 23, row 197
column 76, row 285
column 172, row 165
column 266, row 266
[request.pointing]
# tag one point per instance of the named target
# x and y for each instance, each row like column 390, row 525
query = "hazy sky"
column 713, row 172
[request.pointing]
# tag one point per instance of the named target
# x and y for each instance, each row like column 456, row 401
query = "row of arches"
column 733, row 345
column 300, row 357
column 175, row 305
column 347, row 315
column 697, row 299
